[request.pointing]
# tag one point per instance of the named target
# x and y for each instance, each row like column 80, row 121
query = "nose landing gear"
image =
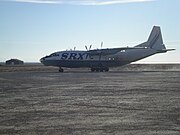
column 61, row 70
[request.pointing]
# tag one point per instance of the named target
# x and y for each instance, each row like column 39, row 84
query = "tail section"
column 155, row 40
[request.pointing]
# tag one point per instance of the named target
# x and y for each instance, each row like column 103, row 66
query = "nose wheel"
column 61, row 70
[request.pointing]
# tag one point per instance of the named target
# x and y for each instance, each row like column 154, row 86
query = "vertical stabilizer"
column 155, row 40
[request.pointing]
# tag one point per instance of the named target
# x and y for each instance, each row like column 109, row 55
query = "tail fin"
column 155, row 40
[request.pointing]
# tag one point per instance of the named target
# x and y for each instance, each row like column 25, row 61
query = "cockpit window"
column 54, row 54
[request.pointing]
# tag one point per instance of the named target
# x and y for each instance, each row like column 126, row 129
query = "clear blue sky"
column 30, row 29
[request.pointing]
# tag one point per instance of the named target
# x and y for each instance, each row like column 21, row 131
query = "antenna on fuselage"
column 74, row 48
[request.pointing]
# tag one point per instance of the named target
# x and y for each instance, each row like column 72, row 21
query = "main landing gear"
column 61, row 70
column 100, row 69
column 97, row 69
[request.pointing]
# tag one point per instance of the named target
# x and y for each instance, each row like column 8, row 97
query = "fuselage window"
column 111, row 58
column 123, row 50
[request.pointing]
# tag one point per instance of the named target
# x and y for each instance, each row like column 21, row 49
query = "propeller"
column 86, row 48
column 101, row 44
column 89, row 47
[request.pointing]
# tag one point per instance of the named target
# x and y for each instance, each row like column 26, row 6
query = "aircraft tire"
column 106, row 69
column 97, row 69
column 61, row 70
column 92, row 69
column 101, row 69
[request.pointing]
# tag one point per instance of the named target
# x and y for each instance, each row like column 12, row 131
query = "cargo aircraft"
column 100, row 60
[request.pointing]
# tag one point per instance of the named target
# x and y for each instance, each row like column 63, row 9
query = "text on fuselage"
column 74, row 56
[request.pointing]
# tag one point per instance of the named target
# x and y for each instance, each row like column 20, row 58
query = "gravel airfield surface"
column 81, row 102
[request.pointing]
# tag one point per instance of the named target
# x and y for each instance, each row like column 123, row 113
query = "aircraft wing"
column 110, row 51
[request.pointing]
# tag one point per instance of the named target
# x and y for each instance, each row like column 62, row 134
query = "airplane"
column 99, row 60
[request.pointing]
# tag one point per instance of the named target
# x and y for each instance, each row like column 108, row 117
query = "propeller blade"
column 86, row 48
column 90, row 47
column 101, row 44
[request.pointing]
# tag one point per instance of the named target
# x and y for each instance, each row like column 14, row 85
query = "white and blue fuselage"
column 102, row 59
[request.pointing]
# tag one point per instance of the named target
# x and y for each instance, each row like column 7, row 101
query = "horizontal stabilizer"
column 165, row 50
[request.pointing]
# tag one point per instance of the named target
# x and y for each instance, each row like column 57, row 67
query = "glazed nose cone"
column 42, row 59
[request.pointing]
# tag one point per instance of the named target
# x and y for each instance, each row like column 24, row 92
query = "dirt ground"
column 79, row 103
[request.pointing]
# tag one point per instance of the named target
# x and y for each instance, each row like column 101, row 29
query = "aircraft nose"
column 42, row 59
